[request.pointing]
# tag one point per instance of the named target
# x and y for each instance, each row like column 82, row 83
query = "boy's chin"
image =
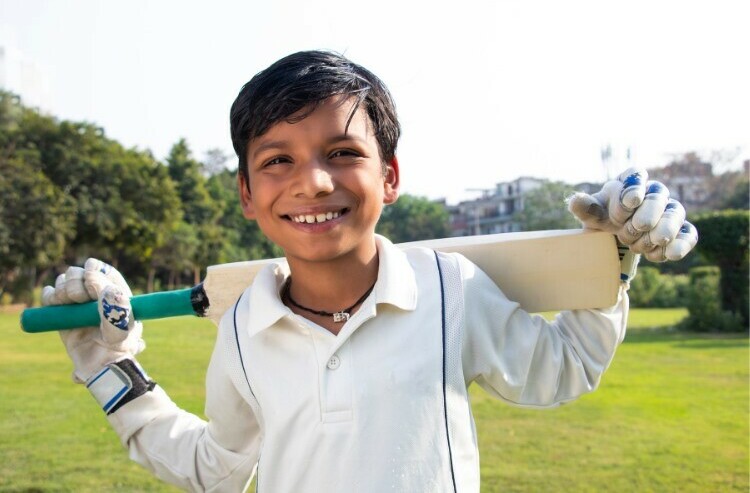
column 328, row 252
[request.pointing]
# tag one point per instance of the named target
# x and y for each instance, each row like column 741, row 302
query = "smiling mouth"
column 317, row 218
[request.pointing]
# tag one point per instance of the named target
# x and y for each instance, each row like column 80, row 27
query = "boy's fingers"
column 670, row 223
column 98, row 275
column 650, row 211
column 685, row 241
column 633, row 189
column 595, row 211
column 665, row 231
column 74, row 288
column 611, row 194
column 656, row 255
column 60, row 294
column 629, row 234
column 114, row 308
column 587, row 210
column 48, row 296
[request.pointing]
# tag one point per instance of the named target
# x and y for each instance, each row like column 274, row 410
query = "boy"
column 346, row 368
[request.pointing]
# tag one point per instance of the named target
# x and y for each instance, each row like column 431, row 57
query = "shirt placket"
column 336, row 386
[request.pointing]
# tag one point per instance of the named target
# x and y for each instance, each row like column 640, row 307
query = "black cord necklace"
column 340, row 316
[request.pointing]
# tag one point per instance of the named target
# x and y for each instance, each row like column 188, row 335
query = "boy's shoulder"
column 420, row 258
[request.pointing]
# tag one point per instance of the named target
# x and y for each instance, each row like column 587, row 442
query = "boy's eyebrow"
column 282, row 144
column 271, row 144
column 347, row 136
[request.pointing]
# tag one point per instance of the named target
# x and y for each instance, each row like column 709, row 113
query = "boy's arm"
column 178, row 447
column 526, row 360
column 523, row 359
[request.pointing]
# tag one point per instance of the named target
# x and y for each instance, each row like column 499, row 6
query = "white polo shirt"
column 383, row 406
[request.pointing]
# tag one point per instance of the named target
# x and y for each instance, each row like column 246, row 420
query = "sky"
column 486, row 91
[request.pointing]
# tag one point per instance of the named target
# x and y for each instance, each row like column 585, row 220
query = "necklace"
column 338, row 317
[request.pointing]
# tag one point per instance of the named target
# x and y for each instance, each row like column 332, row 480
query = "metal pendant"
column 339, row 317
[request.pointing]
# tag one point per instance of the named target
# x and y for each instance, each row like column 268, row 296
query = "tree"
column 544, row 208
column 175, row 255
column 215, row 161
column 724, row 242
column 121, row 202
column 245, row 241
column 36, row 217
column 705, row 313
column 652, row 289
column 413, row 218
column 186, row 173
column 36, row 220
column 738, row 196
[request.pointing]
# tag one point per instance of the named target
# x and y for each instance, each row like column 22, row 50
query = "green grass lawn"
column 671, row 415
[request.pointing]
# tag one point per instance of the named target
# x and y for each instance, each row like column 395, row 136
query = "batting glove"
column 103, row 357
column 641, row 214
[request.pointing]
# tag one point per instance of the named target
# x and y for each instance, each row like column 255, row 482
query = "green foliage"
column 121, row 201
column 413, row 218
column 724, row 242
column 652, row 289
column 247, row 242
column 36, row 220
column 68, row 192
column 731, row 190
column 704, row 304
column 35, row 216
column 544, row 208
column 186, row 173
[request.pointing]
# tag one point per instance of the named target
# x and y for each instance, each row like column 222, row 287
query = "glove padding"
column 118, row 336
column 640, row 213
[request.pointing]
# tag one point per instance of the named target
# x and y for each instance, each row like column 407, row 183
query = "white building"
column 689, row 180
column 494, row 211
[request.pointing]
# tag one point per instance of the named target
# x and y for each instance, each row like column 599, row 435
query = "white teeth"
column 316, row 218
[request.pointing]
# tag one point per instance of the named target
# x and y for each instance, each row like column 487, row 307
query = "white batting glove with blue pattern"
column 118, row 336
column 641, row 214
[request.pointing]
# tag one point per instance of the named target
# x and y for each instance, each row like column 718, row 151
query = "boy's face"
column 317, row 188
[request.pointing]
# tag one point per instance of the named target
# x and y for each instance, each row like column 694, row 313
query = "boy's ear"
column 391, row 182
column 246, row 198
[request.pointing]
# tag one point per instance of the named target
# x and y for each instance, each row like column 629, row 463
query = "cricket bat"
column 541, row 270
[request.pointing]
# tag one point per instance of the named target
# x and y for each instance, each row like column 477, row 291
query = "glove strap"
column 119, row 383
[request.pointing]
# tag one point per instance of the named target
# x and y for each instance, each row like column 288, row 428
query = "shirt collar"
column 265, row 306
column 396, row 285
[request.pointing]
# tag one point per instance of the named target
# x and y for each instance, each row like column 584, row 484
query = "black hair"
column 294, row 86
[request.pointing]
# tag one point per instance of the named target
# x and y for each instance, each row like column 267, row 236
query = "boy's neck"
column 331, row 286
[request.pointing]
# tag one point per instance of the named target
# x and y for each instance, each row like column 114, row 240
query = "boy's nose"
column 313, row 179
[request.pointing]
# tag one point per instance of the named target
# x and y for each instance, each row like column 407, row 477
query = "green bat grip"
column 190, row 301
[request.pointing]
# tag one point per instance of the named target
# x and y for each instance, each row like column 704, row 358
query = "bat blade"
column 542, row 270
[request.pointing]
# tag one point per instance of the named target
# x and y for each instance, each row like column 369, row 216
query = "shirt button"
column 334, row 362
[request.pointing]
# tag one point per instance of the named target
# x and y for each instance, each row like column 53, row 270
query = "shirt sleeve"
column 180, row 448
column 527, row 361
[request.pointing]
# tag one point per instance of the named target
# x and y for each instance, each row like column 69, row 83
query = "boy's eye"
column 343, row 153
column 276, row 160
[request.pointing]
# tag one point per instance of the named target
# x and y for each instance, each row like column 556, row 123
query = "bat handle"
column 190, row 301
